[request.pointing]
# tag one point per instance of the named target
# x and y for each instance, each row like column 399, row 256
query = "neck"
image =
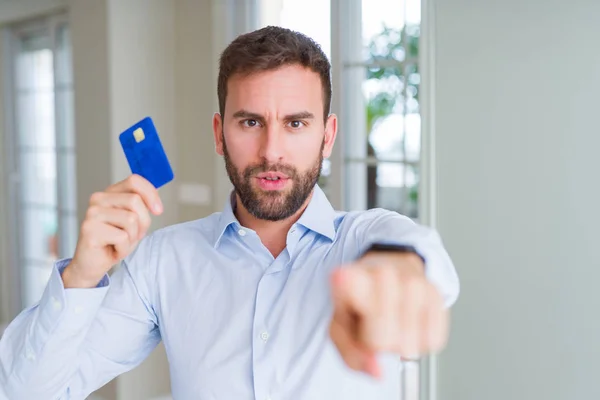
column 273, row 234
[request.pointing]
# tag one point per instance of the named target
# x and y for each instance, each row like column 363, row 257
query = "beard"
column 273, row 205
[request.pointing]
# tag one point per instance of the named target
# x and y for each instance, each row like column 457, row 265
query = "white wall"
column 88, row 22
column 195, row 101
column 141, row 42
column 517, row 86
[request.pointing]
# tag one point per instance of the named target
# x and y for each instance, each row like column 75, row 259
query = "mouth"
column 272, row 176
column 272, row 180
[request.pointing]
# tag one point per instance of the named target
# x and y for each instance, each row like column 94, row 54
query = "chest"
column 235, row 301
column 238, row 325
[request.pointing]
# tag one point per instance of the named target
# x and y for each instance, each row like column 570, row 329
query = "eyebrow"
column 258, row 117
column 247, row 114
column 300, row 115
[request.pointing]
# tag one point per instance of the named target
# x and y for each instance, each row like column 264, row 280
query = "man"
column 277, row 297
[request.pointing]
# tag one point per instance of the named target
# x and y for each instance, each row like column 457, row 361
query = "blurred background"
column 478, row 118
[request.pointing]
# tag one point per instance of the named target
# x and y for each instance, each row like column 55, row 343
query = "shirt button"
column 242, row 232
column 29, row 355
column 264, row 336
column 56, row 304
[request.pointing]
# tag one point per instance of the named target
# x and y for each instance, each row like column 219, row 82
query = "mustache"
column 265, row 167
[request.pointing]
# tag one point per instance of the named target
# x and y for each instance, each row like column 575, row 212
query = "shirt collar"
column 226, row 218
column 319, row 216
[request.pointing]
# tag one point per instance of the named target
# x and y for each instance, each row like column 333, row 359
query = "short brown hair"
column 268, row 49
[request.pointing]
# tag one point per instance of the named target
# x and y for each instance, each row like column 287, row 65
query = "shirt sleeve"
column 75, row 340
column 387, row 227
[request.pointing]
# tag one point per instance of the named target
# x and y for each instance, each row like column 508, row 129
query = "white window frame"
column 13, row 246
column 428, row 176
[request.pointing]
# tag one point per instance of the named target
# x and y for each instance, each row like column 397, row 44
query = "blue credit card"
column 145, row 153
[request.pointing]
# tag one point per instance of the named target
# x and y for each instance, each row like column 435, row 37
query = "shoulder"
column 199, row 229
column 365, row 220
column 166, row 249
column 164, row 244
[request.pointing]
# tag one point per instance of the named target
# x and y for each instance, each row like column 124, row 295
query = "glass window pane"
column 39, row 227
column 392, row 111
column 374, row 20
column 35, row 119
column 34, row 69
column 396, row 137
column 392, row 34
column 38, row 177
column 25, row 108
column 411, row 95
column 413, row 12
column 311, row 17
column 396, row 188
column 390, row 185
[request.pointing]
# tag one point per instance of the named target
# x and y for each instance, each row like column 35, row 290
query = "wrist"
column 73, row 279
column 403, row 255
column 410, row 263
column 393, row 247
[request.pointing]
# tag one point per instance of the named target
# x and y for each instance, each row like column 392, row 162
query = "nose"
column 271, row 148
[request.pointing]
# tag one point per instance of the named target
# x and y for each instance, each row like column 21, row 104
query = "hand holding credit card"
column 120, row 216
column 145, row 153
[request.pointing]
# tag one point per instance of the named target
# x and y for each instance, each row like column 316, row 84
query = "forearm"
column 40, row 349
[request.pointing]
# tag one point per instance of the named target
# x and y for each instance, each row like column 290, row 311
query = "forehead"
column 289, row 87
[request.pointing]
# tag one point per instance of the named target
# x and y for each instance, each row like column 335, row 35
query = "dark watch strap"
column 401, row 248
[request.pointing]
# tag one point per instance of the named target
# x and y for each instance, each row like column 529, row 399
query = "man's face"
column 274, row 139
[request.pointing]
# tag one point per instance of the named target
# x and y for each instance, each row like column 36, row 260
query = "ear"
column 330, row 135
column 218, row 133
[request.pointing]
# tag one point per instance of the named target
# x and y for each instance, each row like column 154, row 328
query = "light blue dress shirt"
column 236, row 322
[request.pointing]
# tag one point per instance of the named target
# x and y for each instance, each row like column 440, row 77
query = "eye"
column 297, row 124
column 249, row 123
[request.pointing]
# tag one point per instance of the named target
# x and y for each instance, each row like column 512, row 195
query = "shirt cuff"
column 69, row 309
column 439, row 268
